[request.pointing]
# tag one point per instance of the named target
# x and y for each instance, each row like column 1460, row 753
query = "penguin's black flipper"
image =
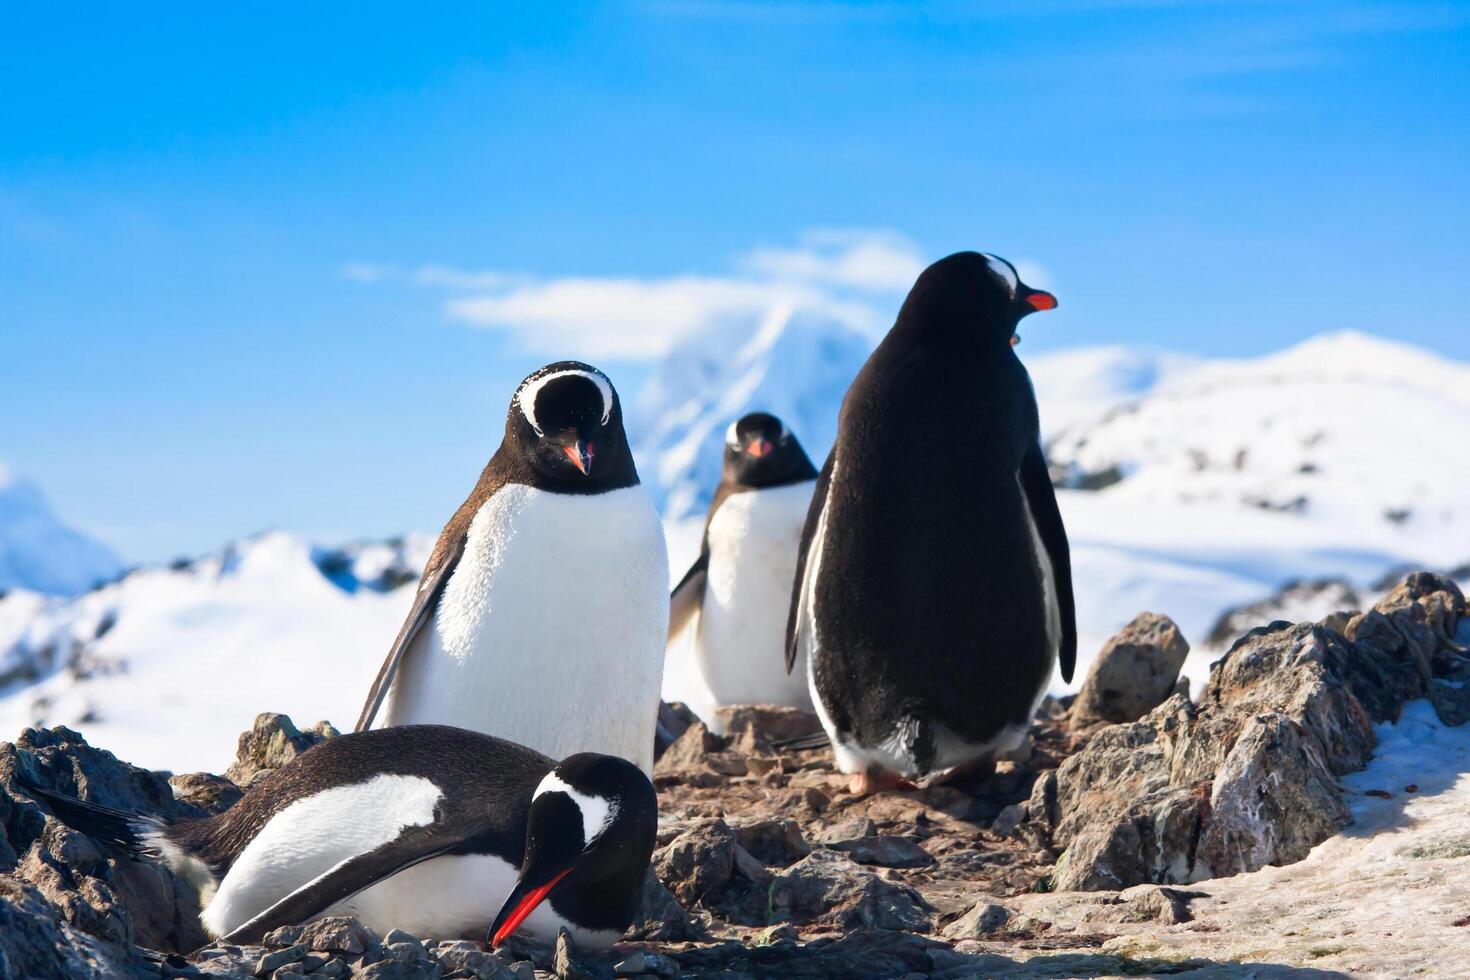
column 688, row 595
column 346, row 879
column 424, row 604
column 798, row 586
column 1042, row 499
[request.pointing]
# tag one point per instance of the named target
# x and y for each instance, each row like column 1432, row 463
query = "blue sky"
column 280, row 265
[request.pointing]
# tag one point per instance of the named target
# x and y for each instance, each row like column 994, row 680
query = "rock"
column 887, row 851
column 1134, row 673
column 660, row 917
column 268, row 963
column 847, row 830
column 37, row 941
column 1152, row 903
column 212, row 794
column 829, row 888
column 674, row 718
column 98, row 889
column 765, row 723
column 985, row 918
column 641, row 962
column 484, row 966
column 776, row 842
column 338, row 934
column 688, row 754
column 699, row 863
column 272, row 742
column 573, row 964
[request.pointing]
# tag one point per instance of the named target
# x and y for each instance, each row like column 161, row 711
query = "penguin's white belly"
column 454, row 896
column 740, row 647
column 550, row 632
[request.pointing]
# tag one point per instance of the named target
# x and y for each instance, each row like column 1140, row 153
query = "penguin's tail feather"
column 134, row 833
column 800, row 743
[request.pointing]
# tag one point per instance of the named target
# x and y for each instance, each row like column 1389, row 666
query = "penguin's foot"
column 871, row 781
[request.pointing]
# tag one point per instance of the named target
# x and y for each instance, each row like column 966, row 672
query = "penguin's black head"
column 973, row 294
column 588, row 842
column 565, row 419
column 761, row 452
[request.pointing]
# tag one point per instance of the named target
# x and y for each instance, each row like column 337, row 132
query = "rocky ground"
column 1250, row 833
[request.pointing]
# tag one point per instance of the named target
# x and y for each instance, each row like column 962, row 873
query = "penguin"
column 542, row 613
column 426, row 828
column 933, row 587
column 737, row 593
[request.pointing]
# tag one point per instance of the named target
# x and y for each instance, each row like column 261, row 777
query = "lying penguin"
column 425, row 828
column 736, row 595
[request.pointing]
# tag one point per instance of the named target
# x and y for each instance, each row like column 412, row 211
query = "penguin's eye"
column 1015, row 339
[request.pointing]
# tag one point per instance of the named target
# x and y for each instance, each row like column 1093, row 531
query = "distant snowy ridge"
column 40, row 553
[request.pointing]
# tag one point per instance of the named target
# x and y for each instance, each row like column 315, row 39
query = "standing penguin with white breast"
column 934, row 587
column 542, row 612
column 737, row 594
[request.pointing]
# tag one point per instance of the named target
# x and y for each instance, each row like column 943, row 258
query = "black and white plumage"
column 548, row 580
column 736, row 595
column 436, row 830
column 934, row 588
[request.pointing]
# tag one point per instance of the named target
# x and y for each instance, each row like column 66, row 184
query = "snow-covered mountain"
column 38, row 552
column 793, row 364
column 168, row 665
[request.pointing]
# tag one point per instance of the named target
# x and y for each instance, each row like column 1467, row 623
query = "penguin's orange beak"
column 759, row 448
column 581, row 455
column 1040, row 299
column 520, row 905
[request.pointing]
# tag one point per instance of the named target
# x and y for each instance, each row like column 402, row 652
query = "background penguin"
column 542, row 612
column 421, row 828
column 934, row 586
column 736, row 595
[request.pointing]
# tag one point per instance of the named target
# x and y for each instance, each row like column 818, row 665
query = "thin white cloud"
column 855, row 276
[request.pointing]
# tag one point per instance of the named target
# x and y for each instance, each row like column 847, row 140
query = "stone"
column 272, row 742
column 37, row 941
column 765, row 723
column 644, row 963
column 850, row 829
column 270, row 962
column 660, row 917
column 985, row 918
column 573, row 964
column 674, row 718
column 1134, row 673
column 212, row 794
column 468, row 958
column 688, row 753
column 885, row 850
column 830, row 888
column 338, row 934
column 699, row 863
column 778, row 842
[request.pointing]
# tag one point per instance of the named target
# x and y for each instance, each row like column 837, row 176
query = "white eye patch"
column 530, row 390
column 1005, row 270
column 598, row 812
column 732, row 438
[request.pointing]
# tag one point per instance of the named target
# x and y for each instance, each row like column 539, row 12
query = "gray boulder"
column 1134, row 673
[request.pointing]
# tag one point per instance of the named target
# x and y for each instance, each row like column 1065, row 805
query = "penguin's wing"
column 347, row 878
column 798, row 585
column 688, row 595
column 424, row 604
column 1042, row 500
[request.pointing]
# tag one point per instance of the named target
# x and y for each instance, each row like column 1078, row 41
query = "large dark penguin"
column 550, row 580
column 424, row 828
column 736, row 595
column 934, row 589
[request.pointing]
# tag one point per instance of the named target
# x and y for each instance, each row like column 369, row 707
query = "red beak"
column 759, row 448
column 580, row 455
column 1041, row 300
column 523, row 908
